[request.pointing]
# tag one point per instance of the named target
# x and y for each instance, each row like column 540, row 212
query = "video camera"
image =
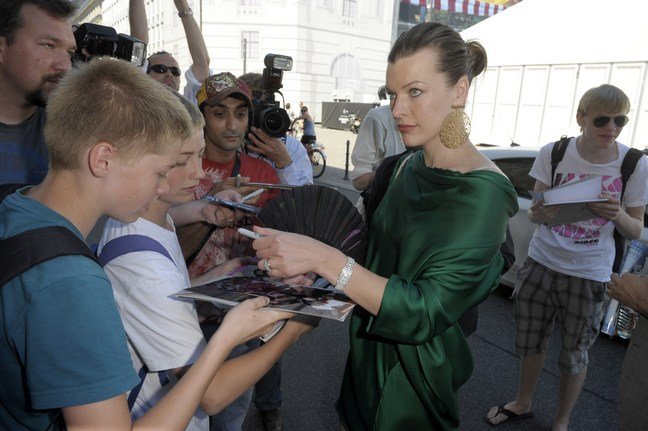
column 267, row 114
column 94, row 40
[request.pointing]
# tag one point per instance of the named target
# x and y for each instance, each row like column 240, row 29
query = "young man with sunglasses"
column 569, row 265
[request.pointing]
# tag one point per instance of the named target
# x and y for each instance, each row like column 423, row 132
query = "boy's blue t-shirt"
column 62, row 343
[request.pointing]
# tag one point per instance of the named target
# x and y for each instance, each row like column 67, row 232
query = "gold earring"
column 455, row 128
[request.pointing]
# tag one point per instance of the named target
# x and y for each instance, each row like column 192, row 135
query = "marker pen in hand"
column 252, row 195
column 249, row 233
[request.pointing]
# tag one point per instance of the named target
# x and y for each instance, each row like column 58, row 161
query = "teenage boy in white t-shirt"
column 569, row 265
column 163, row 333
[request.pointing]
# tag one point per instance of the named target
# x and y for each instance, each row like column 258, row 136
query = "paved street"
column 312, row 372
column 312, row 369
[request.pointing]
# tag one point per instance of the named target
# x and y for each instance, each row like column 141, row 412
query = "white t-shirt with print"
column 584, row 249
column 162, row 332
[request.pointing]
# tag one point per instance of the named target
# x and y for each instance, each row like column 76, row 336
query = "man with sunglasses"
column 565, row 276
column 161, row 65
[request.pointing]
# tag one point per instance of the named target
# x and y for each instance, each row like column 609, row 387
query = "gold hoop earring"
column 455, row 128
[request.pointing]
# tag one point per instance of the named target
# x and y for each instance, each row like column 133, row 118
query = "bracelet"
column 284, row 166
column 345, row 274
column 184, row 13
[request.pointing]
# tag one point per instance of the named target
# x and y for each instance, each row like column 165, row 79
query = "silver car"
column 516, row 163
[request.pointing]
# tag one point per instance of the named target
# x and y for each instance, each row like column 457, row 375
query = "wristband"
column 184, row 13
column 345, row 274
column 284, row 166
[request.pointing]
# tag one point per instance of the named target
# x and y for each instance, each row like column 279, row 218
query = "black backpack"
column 628, row 166
column 27, row 249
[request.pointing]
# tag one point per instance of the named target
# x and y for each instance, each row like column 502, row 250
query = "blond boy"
column 112, row 135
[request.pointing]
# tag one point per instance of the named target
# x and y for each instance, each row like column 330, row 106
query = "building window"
column 248, row 3
column 346, row 71
column 350, row 8
column 249, row 44
column 325, row 3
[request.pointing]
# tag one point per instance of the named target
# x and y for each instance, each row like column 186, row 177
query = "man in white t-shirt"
column 378, row 138
column 287, row 155
column 568, row 267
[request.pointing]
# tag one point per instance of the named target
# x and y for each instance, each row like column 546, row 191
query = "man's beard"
column 37, row 97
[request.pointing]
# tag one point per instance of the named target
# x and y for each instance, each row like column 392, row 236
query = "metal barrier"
column 346, row 164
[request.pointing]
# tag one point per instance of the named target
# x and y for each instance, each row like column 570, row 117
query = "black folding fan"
column 320, row 212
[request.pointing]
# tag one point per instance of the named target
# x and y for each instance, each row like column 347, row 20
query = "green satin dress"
column 436, row 237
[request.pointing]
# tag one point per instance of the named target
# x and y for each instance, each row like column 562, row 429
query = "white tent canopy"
column 565, row 32
column 544, row 54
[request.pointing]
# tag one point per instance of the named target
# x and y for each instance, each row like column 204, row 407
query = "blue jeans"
column 267, row 391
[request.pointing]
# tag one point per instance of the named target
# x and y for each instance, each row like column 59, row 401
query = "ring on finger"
column 266, row 265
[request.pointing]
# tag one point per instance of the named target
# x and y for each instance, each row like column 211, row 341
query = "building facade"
column 339, row 47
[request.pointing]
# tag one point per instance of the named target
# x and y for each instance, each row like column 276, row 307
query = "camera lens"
column 274, row 121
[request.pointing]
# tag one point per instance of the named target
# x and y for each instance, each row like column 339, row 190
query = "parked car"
column 516, row 163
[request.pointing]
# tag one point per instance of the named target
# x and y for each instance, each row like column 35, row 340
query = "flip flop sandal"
column 510, row 416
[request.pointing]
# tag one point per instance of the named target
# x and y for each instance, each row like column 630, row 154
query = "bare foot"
column 498, row 414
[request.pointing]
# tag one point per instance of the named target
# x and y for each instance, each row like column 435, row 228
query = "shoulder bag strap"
column 33, row 247
column 130, row 244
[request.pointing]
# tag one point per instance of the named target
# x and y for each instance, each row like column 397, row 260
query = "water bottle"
column 626, row 319
column 620, row 319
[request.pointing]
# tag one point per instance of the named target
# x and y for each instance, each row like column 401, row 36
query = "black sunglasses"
column 163, row 68
column 619, row 121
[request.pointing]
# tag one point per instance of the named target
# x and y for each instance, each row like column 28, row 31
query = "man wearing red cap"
column 226, row 105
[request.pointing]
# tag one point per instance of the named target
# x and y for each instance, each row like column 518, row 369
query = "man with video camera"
column 36, row 44
column 286, row 154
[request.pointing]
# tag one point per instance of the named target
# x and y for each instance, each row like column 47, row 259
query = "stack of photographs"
column 249, row 282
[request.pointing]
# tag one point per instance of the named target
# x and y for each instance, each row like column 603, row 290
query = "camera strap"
column 237, row 165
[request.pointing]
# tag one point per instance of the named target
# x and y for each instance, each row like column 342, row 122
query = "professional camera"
column 267, row 114
column 94, row 40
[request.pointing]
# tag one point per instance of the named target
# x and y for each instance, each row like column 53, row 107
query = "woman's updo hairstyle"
column 456, row 57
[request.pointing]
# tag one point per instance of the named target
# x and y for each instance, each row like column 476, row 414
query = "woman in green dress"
column 433, row 249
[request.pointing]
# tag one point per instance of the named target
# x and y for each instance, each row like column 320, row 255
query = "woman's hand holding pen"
column 288, row 254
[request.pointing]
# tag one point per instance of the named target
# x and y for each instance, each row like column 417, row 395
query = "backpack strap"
column 628, row 166
column 7, row 189
column 33, row 247
column 557, row 154
column 130, row 244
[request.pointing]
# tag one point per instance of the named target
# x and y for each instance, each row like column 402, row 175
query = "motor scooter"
column 355, row 124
